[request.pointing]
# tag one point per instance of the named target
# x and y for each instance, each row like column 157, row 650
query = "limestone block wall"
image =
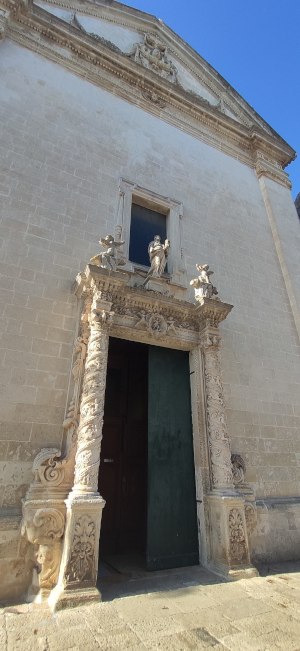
column 64, row 146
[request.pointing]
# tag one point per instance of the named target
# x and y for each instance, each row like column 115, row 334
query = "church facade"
column 146, row 407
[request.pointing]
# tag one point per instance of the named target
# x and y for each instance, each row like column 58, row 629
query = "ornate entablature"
column 225, row 121
column 137, row 311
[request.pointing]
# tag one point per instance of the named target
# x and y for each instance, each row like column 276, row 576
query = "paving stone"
column 186, row 641
column 239, row 608
column 268, row 622
column 124, row 638
column 188, row 599
column 212, row 620
column 249, row 642
column 257, row 615
column 149, row 629
column 154, row 604
column 70, row 638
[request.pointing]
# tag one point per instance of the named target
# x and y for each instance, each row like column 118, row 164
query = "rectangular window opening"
column 145, row 224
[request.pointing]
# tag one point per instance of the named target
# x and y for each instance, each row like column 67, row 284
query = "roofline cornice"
column 40, row 31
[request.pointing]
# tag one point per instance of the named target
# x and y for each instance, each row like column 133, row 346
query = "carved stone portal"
column 62, row 510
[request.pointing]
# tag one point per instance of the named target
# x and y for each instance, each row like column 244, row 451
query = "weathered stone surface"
column 199, row 613
column 233, row 209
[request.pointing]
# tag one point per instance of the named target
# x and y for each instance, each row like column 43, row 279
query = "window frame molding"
column 173, row 209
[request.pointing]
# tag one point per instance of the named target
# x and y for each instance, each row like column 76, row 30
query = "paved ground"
column 173, row 610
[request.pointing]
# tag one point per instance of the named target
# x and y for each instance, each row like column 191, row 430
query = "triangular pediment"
column 143, row 38
column 138, row 57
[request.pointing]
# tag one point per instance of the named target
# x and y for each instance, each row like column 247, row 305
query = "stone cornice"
column 150, row 316
column 38, row 30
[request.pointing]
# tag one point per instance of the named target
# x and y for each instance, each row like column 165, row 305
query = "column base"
column 229, row 546
column 79, row 566
column 231, row 574
column 61, row 599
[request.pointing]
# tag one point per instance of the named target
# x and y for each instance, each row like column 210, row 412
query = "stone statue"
column 158, row 254
column 202, row 284
column 110, row 258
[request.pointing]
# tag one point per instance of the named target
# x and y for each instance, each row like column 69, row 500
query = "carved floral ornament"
column 81, row 563
column 237, row 536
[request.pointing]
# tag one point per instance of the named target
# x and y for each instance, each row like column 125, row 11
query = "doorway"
column 147, row 472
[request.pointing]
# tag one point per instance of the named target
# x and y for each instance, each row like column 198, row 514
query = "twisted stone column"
column 79, row 566
column 92, row 401
column 218, row 440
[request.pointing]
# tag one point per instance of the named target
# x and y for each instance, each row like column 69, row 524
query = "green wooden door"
column 172, row 539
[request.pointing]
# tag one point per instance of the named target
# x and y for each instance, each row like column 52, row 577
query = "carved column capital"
column 210, row 341
column 101, row 314
column 266, row 165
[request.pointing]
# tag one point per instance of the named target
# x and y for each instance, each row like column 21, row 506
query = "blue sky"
column 254, row 45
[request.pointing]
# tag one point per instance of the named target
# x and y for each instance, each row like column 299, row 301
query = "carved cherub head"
column 108, row 240
column 203, row 267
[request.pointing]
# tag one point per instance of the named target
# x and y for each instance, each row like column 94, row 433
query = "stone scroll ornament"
column 44, row 528
column 218, row 438
column 152, row 54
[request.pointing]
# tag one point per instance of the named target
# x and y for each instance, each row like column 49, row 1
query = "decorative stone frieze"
column 153, row 97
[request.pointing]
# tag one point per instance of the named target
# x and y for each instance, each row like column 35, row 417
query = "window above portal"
column 145, row 224
column 144, row 215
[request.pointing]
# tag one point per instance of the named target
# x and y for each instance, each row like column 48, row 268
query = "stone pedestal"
column 156, row 285
column 229, row 549
column 79, row 566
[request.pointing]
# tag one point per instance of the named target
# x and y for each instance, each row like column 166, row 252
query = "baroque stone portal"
column 62, row 510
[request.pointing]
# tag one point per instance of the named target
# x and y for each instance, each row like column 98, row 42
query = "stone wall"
column 64, row 146
column 297, row 204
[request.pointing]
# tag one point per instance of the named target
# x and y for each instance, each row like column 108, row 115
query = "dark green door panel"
column 172, row 539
